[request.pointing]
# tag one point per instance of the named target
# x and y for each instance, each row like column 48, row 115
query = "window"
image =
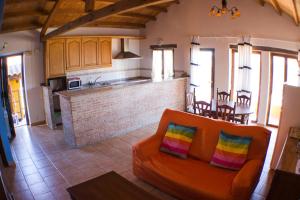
column 203, row 75
column 255, row 79
column 284, row 68
column 162, row 62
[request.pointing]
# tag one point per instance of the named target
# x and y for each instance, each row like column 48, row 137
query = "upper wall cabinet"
column 90, row 52
column 73, row 51
column 55, row 58
column 77, row 53
column 105, row 56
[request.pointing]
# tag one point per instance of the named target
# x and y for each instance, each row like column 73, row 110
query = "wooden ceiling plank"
column 90, row 5
column 119, row 7
column 2, row 3
column 139, row 16
column 50, row 17
column 296, row 14
column 118, row 24
column 276, row 7
column 30, row 13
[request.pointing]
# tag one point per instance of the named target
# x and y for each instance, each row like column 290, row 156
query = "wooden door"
column 73, row 51
column 55, row 58
column 105, row 52
column 89, row 52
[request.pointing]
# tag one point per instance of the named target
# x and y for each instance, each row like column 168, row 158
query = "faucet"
column 97, row 79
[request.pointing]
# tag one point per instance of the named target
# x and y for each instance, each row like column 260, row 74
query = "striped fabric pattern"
column 178, row 140
column 231, row 151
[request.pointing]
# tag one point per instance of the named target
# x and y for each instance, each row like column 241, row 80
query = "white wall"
column 190, row 17
column 29, row 42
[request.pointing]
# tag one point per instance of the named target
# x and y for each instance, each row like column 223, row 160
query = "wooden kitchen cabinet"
column 73, row 52
column 105, row 55
column 55, row 58
column 90, row 52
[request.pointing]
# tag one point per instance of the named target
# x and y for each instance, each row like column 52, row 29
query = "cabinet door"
column 55, row 58
column 105, row 54
column 73, row 51
column 89, row 52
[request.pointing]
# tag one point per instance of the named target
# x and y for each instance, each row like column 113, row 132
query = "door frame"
column 285, row 56
column 23, row 81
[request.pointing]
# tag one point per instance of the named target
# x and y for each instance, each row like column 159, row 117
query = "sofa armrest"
column 246, row 179
column 149, row 146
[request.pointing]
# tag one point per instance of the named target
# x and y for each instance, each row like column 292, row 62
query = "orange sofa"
column 194, row 178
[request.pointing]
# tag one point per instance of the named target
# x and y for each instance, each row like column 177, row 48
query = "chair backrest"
column 226, row 112
column 203, row 108
column 243, row 97
column 224, row 96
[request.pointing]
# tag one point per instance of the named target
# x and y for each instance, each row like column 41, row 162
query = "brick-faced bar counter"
column 95, row 114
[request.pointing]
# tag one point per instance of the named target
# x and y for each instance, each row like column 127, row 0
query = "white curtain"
column 299, row 68
column 168, row 64
column 244, row 75
column 157, row 65
column 195, row 63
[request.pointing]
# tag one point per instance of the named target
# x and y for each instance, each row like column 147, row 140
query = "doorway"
column 13, row 89
column 284, row 68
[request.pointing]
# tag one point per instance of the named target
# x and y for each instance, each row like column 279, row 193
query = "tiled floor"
column 46, row 166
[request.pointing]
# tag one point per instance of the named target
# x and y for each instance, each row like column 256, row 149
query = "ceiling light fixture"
column 218, row 12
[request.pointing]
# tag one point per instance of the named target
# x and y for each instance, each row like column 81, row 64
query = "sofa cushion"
column 177, row 140
column 231, row 151
column 195, row 176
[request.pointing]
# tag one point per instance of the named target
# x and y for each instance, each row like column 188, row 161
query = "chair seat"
column 201, row 178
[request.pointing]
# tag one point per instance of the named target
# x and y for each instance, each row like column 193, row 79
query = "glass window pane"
column 203, row 92
column 292, row 71
column 255, row 83
column 277, row 89
column 168, row 64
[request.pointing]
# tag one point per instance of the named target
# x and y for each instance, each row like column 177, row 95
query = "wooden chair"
column 189, row 101
column 203, row 108
column 223, row 96
column 243, row 98
column 226, row 112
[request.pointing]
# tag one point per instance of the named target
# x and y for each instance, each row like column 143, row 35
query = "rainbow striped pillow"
column 178, row 140
column 231, row 151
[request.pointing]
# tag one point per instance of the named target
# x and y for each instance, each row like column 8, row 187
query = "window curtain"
column 168, row 64
column 157, row 65
column 194, row 63
column 244, row 74
column 299, row 67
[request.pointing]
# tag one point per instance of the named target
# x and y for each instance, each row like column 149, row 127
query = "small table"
column 110, row 186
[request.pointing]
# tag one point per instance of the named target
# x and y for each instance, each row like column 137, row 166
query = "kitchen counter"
column 92, row 115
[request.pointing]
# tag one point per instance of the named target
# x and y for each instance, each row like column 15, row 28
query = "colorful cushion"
column 231, row 151
column 178, row 140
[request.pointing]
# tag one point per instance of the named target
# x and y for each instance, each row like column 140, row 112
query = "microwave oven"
column 74, row 83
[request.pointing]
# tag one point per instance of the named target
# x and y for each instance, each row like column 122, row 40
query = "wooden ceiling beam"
column 31, row 13
column 117, row 24
column 20, row 27
column 262, row 2
column 138, row 16
column 276, row 7
column 119, row 7
column 296, row 15
column 50, row 18
column 2, row 3
column 90, row 5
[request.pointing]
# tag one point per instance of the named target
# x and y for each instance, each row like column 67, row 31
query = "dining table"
column 241, row 109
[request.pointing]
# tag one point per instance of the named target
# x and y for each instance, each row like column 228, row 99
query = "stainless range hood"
column 125, row 53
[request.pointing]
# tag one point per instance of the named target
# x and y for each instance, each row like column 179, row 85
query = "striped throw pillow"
column 178, row 140
column 231, row 151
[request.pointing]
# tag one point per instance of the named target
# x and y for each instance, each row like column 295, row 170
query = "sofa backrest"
column 208, row 131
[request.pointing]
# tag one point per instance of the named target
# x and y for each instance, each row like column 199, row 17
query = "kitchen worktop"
column 84, row 90
column 94, row 114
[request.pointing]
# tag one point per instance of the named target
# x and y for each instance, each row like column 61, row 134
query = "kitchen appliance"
column 125, row 53
column 57, row 84
column 74, row 83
